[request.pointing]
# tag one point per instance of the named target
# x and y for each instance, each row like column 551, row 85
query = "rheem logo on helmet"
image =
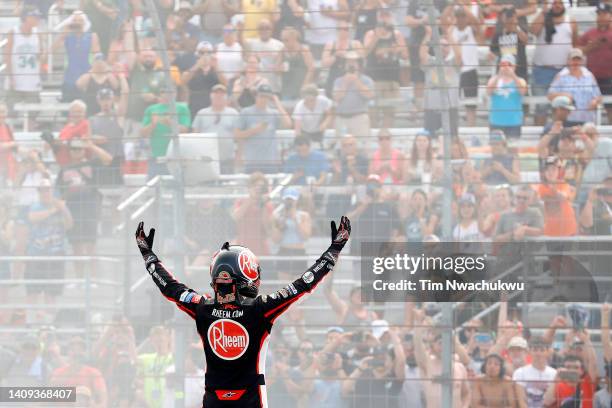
column 248, row 264
column 228, row 339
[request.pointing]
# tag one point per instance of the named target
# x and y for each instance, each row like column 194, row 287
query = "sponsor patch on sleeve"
column 308, row 277
column 291, row 289
column 195, row 298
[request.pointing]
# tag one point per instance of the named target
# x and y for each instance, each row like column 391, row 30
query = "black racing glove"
column 145, row 244
column 340, row 235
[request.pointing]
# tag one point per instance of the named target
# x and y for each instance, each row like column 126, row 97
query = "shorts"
column 387, row 93
column 45, row 270
column 511, row 132
column 417, row 75
column 468, row 83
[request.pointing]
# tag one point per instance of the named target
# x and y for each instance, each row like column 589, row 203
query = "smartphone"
column 483, row 337
column 569, row 375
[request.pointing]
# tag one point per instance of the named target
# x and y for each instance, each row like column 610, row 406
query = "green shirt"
column 160, row 138
column 152, row 370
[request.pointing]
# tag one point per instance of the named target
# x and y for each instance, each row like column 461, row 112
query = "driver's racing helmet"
column 234, row 270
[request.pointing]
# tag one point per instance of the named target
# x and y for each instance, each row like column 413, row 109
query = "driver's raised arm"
column 185, row 298
column 274, row 304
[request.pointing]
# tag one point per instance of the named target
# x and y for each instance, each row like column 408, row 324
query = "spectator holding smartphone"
column 572, row 386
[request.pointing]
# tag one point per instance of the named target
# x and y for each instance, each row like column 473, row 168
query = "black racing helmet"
column 235, row 265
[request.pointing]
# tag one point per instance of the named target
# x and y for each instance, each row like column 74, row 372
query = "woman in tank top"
column 98, row 77
column 365, row 17
column 333, row 55
column 299, row 64
column 244, row 87
column 419, row 167
column 387, row 162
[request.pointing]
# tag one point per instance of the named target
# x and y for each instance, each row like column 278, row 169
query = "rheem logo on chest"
column 228, row 339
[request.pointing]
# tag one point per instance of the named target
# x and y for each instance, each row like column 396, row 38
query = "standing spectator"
column 77, row 373
column 365, row 16
column 107, row 132
column 256, row 134
column 291, row 15
column 201, row 78
column 384, row 47
column 501, row 201
column 334, row 55
column 467, row 229
column 506, row 90
column 156, row 125
column 298, row 64
column 306, row 165
column 151, row 367
column 559, row 215
column 144, row 77
column 295, row 228
column 521, row 221
column 79, row 45
column 494, row 387
column 420, row 164
column 104, row 16
column 578, row 83
column 533, row 379
column 556, row 34
column 253, row 216
column 254, row 13
column 466, row 33
column 417, row 219
column 8, row 147
column 510, row 39
column 49, row 219
column 98, row 77
column 323, row 17
column 595, row 217
column 596, row 46
column 312, row 114
column 387, row 162
column 215, row 15
column 418, row 20
column 437, row 99
column 562, row 106
column 24, row 56
column 598, row 168
column 221, row 120
column 229, row 54
column 122, row 48
column 352, row 93
column 77, row 127
column 269, row 51
column 327, row 385
column 245, row 85
column 574, row 385
column 503, row 167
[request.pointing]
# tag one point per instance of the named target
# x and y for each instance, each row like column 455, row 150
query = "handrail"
column 151, row 183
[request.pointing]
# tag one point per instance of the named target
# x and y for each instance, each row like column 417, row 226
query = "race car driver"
column 235, row 324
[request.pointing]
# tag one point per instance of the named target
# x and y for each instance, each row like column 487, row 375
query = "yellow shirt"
column 254, row 11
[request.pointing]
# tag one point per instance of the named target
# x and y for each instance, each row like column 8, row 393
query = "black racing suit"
column 235, row 335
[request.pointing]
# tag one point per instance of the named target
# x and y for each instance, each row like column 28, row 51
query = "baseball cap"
column 551, row 161
column 291, row 193
column 576, row 53
column 31, row 12
column 517, row 342
column 352, row 55
column 509, row 58
column 379, row 327
column 335, row 329
column 603, row 8
column 564, row 102
column 204, row 46
column 219, row 88
column 374, row 178
column 497, row 136
column 423, row 132
column 105, row 93
column 467, row 198
column 264, row 89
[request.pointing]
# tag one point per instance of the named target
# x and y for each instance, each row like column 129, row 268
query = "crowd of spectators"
column 334, row 73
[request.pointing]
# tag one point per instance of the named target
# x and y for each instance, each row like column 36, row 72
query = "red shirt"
column 87, row 376
column 565, row 390
column 70, row 131
column 598, row 60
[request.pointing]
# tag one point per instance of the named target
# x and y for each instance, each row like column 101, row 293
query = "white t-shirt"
column 469, row 47
column 471, row 233
column 311, row 119
column 322, row 28
column 229, row 59
column 535, row 383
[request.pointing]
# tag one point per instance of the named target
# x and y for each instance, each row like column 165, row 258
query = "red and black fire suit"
column 235, row 335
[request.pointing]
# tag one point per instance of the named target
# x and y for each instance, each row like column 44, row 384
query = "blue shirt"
column 262, row 148
column 313, row 165
column 583, row 89
column 506, row 105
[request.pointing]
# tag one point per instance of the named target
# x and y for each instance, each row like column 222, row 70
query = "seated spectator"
column 500, row 203
column 420, row 165
column 556, row 32
column 384, row 47
column 306, row 165
column 312, row 115
column 534, row 379
column 595, row 217
column 594, row 44
column 220, row 119
column 570, row 378
column 98, row 77
column 157, row 127
column 378, row 379
column 79, row 45
column 77, row 373
column 295, row 228
column 245, row 86
column 152, row 366
column 467, row 228
column 253, row 216
column 578, row 83
column 506, row 90
column 494, row 388
column 387, row 162
column 49, row 219
column 201, row 78
column 416, row 216
column 229, row 53
column 256, row 135
column 269, row 51
column 8, row 148
column 298, row 64
column 352, row 93
column 503, row 166
column 334, row 54
column 559, row 215
column 510, row 40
